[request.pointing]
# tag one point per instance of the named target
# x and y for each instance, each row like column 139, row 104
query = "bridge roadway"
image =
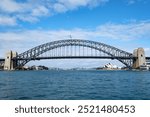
column 76, row 57
column 148, row 59
column 2, row 59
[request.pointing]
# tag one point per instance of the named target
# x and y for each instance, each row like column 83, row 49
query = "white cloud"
column 116, row 32
column 147, row 51
column 130, row 31
column 27, row 18
column 31, row 10
column 72, row 4
column 7, row 21
column 40, row 11
column 132, row 2
column 65, row 5
column 10, row 6
column 59, row 8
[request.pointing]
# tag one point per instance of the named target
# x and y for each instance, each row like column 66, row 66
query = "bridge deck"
column 76, row 57
column 148, row 58
column 1, row 59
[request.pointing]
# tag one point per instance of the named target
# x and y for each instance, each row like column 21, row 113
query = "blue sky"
column 121, row 23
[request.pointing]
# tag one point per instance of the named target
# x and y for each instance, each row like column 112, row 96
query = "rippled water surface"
column 75, row 84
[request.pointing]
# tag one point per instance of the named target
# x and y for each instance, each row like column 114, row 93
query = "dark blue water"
column 75, row 84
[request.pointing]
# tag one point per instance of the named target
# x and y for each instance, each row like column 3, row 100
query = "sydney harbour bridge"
column 74, row 49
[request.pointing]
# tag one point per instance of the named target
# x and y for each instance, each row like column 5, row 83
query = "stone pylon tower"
column 9, row 63
column 140, row 60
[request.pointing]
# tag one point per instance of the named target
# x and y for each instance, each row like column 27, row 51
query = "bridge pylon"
column 10, row 64
column 140, row 60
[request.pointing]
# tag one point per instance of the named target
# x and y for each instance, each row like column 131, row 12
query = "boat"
column 145, row 66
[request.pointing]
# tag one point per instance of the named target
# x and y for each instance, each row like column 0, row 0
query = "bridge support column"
column 10, row 64
column 140, row 60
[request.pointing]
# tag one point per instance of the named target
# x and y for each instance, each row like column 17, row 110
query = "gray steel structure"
column 111, row 52
column 2, row 61
column 148, row 59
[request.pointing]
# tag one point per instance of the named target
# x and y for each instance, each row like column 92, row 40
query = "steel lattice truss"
column 1, row 64
column 114, row 53
column 148, row 59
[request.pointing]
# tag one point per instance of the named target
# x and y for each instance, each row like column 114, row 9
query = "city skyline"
column 124, row 24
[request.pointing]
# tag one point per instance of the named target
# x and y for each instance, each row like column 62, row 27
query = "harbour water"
column 75, row 85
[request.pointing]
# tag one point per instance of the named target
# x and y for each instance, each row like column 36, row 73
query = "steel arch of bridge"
column 125, row 57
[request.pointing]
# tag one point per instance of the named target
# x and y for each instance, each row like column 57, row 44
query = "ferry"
column 145, row 67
